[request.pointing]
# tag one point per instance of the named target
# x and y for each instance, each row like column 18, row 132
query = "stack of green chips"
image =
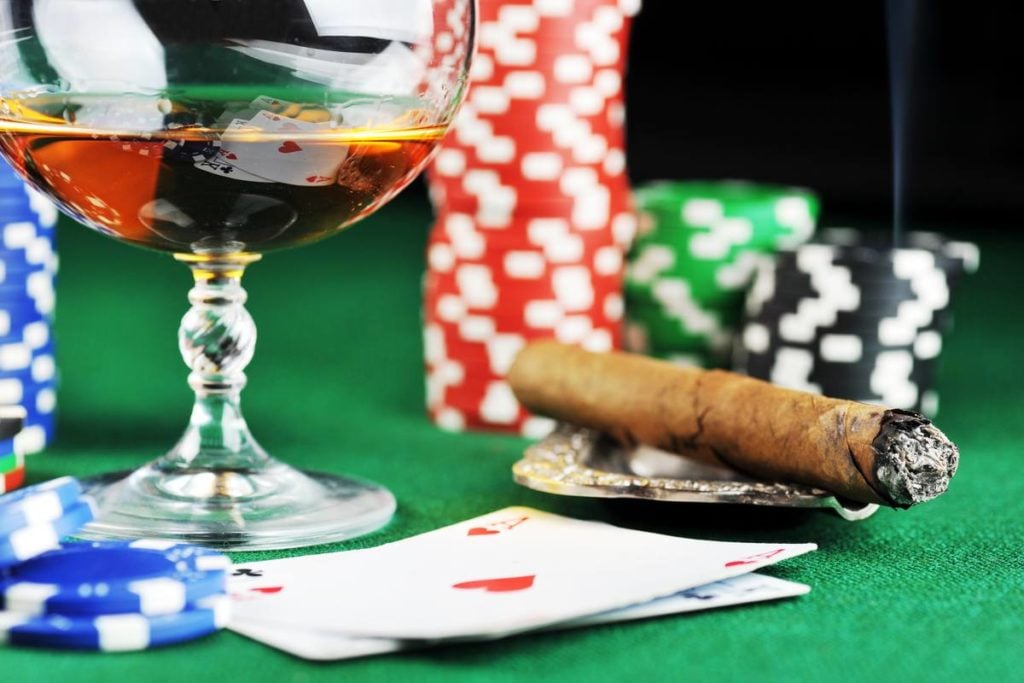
column 698, row 247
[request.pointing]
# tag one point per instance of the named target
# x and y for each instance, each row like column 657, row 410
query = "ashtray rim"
column 562, row 464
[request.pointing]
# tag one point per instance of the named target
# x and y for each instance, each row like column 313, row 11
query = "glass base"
column 274, row 507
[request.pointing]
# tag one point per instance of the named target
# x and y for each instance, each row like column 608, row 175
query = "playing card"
column 326, row 645
column 219, row 165
column 510, row 571
column 282, row 149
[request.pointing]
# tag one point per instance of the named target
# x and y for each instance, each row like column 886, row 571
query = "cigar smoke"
column 902, row 33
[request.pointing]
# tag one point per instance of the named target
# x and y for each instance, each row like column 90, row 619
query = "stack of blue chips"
column 113, row 596
column 28, row 267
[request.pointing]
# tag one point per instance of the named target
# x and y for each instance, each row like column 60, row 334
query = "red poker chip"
column 567, row 78
column 456, row 420
column 453, row 298
column 594, row 327
column 467, row 342
column 526, row 252
column 534, row 200
column 506, row 207
column 487, row 338
column 547, row 238
column 538, row 124
column 592, row 26
column 12, row 480
column 488, row 353
column 502, row 109
column 578, row 144
column 539, row 305
column 493, row 9
column 565, row 68
column 541, row 170
column 477, row 414
column 574, row 293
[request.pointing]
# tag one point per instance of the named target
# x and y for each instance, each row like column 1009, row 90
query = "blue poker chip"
column 23, row 304
column 16, row 267
column 21, row 307
column 32, row 540
column 36, row 335
column 39, row 504
column 36, row 434
column 145, row 577
column 116, row 632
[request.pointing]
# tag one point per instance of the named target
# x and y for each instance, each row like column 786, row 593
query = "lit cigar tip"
column 915, row 459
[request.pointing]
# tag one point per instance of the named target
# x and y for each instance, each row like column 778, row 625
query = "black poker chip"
column 851, row 317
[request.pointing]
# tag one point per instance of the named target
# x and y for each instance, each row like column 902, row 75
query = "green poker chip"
column 696, row 252
column 710, row 282
column 774, row 216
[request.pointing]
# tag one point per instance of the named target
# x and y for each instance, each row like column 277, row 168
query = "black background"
column 799, row 93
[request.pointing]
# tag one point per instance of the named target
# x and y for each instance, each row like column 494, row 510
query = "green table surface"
column 935, row 592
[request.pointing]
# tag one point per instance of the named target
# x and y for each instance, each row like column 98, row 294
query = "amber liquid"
column 173, row 190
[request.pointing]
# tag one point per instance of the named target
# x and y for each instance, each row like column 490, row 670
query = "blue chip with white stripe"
column 146, row 577
column 32, row 540
column 116, row 632
column 40, row 504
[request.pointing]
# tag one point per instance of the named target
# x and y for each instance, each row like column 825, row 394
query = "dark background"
column 799, row 93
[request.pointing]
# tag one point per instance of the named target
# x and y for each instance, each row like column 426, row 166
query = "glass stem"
column 217, row 339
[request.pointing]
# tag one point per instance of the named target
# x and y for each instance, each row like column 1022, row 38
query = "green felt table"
column 933, row 592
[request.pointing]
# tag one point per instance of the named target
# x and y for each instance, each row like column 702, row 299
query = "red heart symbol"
column 754, row 559
column 288, row 147
column 481, row 531
column 229, row 155
column 506, row 585
column 269, row 590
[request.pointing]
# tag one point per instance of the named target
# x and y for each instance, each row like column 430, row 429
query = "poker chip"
column 39, row 504
column 29, row 541
column 534, row 211
column 107, row 596
column 28, row 266
column 697, row 249
column 852, row 317
column 145, row 577
column 9, row 481
column 115, row 632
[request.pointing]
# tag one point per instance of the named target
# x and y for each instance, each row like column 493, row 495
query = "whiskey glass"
column 217, row 131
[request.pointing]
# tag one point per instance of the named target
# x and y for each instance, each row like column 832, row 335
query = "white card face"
column 304, row 160
column 318, row 645
column 510, row 571
column 325, row 645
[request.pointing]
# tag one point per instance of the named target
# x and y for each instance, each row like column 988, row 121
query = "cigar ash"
column 915, row 459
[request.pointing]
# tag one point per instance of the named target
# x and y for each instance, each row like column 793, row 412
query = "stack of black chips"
column 851, row 317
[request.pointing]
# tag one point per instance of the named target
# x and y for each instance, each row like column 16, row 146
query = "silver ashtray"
column 573, row 461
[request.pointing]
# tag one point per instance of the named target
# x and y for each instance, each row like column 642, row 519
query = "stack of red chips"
column 533, row 205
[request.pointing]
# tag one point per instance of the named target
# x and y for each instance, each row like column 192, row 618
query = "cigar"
column 861, row 452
